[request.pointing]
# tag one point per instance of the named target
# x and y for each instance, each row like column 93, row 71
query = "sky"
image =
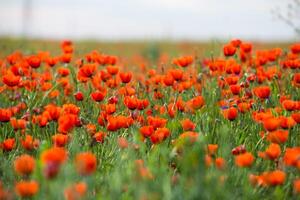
column 144, row 19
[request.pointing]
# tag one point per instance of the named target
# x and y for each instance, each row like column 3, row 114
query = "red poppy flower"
column 79, row 96
column 262, row 92
column 26, row 188
column 147, row 131
column 125, row 77
column 34, row 61
column 159, row 135
column 229, row 50
column 112, row 69
column 230, row 113
column 5, row 115
column 244, row 160
column 11, row 80
column 86, row 163
column 98, row 95
column 24, row 164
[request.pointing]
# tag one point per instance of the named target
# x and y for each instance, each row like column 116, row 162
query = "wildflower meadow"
column 91, row 124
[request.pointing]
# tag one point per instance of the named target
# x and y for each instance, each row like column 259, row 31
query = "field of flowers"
column 213, row 125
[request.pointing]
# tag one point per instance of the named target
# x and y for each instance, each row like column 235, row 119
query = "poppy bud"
column 78, row 96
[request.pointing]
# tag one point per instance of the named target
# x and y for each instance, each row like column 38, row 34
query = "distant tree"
column 290, row 14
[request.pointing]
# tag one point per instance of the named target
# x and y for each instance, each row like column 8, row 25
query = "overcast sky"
column 145, row 19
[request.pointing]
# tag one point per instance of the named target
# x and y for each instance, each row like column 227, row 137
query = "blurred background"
column 175, row 20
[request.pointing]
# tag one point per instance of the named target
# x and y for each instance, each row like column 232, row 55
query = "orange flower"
column 24, row 164
column 190, row 136
column 29, row 143
column 246, row 47
column 180, row 104
column 244, row 160
column 157, row 122
column 257, row 180
column 232, row 80
column 52, row 112
column 274, row 178
column 261, row 116
column 112, row 124
column 292, row 157
column 86, row 163
column 143, row 172
column 212, row 149
column 273, row 151
column 86, row 71
column 208, row 160
column 131, row 102
column 99, row 137
column 104, row 76
column 52, row 159
column 18, row 124
column 66, row 58
column 127, row 90
column 34, row 61
column 168, row 79
column 91, row 129
column 11, row 80
column 112, row 69
column 60, row 140
column 287, row 122
column 46, row 86
column 147, row 131
column 51, row 61
column 297, row 186
column 271, row 124
column 278, row 136
column 187, row 125
column 230, row 113
column 98, row 95
column 271, row 178
column 142, row 104
column 125, row 77
column 26, row 188
column 70, row 109
column 54, row 154
column 158, row 95
column 196, row 102
column 122, row 142
column 5, row 115
column 244, row 107
column 67, row 122
column 295, row 48
column 66, row 46
column 8, row 144
column 75, row 191
column 296, row 117
column 288, row 105
column 220, row 163
column 160, row 135
column 229, row 50
column 236, row 42
column 118, row 122
column 235, row 89
column 296, row 79
column 63, row 71
column 262, row 92
column 171, row 110
column 183, row 61
column 177, row 74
